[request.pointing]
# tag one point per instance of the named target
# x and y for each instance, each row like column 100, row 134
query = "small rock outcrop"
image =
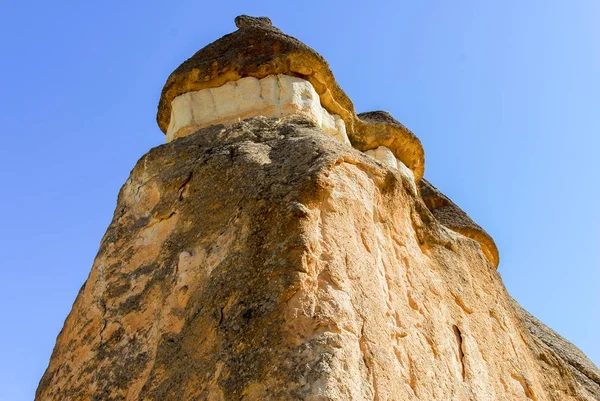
column 272, row 258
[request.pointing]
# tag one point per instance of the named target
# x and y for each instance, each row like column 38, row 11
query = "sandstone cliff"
column 282, row 247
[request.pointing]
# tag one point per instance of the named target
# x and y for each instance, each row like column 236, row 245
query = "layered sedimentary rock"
column 282, row 247
column 270, row 261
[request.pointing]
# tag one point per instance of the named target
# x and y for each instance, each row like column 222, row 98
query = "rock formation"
column 282, row 247
column 259, row 50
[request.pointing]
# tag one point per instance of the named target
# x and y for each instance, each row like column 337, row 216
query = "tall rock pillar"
column 282, row 247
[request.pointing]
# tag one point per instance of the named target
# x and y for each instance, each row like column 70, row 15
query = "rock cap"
column 258, row 49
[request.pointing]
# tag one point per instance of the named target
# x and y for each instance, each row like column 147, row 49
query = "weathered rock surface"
column 270, row 261
column 584, row 370
column 259, row 50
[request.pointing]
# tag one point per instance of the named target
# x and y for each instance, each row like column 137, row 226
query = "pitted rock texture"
column 270, row 261
column 246, row 21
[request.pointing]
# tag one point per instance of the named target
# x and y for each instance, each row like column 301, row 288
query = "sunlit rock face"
column 267, row 260
column 384, row 155
column 274, row 96
column 387, row 158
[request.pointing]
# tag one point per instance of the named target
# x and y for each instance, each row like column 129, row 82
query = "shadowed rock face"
column 258, row 49
column 267, row 260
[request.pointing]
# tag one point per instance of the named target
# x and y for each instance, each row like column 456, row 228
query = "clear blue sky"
column 503, row 94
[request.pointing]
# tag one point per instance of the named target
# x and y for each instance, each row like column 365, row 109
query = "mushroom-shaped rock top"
column 258, row 49
column 381, row 128
column 453, row 217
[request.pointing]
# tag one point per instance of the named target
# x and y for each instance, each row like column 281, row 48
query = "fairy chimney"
column 280, row 246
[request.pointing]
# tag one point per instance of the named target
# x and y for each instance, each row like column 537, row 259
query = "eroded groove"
column 412, row 303
column 183, row 188
column 364, row 350
column 461, row 355
column 461, row 302
column 526, row 386
column 413, row 377
column 432, row 346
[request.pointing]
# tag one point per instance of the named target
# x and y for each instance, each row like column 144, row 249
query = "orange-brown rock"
column 258, row 49
column 267, row 260
column 453, row 217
